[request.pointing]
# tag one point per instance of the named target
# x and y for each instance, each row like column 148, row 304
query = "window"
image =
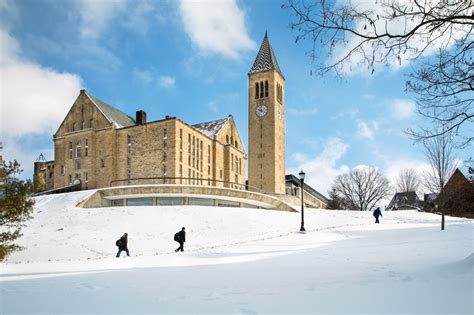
column 208, row 170
column 232, row 162
column 70, row 150
column 208, row 154
column 181, row 133
column 86, row 177
column 51, row 175
column 91, row 123
column 236, row 145
column 83, row 125
column 189, row 160
column 240, row 166
column 86, row 148
column 69, row 180
column 129, row 174
column 256, row 90
column 261, row 89
column 165, row 133
column 227, row 138
column 78, row 151
column 266, row 88
column 74, row 127
column 78, row 164
column 62, row 170
column 129, row 140
column 236, row 178
column 220, row 173
column 236, row 164
column 181, row 156
column 165, row 170
column 164, row 155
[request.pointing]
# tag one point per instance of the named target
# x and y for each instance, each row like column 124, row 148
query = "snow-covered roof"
column 211, row 128
column 120, row 119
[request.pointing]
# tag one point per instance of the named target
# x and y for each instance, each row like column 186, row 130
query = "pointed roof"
column 120, row 119
column 211, row 128
column 266, row 59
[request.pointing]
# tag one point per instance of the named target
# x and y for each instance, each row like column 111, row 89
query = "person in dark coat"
column 122, row 244
column 180, row 237
column 377, row 214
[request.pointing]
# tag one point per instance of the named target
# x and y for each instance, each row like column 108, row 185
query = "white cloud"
column 144, row 76
column 167, row 81
column 95, row 16
column 216, row 26
column 367, row 130
column 34, row 99
column 435, row 37
column 402, row 109
column 213, row 107
column 322, row 170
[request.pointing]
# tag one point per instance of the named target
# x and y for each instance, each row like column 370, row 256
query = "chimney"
column 140, row 117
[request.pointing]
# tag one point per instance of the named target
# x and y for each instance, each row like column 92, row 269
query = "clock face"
column 261, row 110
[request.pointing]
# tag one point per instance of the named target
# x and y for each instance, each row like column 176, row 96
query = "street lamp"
column 302, row 174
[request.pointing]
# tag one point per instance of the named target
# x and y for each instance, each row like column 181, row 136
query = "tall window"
column 83, row 125
column 91, row 123
column 232, row 162
column 181, row 156
column 62, row 170
column 256, row 90
column 70, row 150
column 78, row 149
column 74, row 127
column 86, row 148
column 266, row 88
column 261, row 89
column 208, row 154
column 165, row 133
column 69, row 180
column 78, row 164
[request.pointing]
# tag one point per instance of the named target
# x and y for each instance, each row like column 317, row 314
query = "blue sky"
column 190, row 59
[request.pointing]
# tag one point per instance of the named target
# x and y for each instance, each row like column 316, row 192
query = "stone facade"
column 98, row 146
column 266, row 123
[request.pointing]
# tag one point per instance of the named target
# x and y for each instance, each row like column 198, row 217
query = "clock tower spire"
column 266, row 152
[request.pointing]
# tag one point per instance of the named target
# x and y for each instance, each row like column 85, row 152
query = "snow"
column 237, row 260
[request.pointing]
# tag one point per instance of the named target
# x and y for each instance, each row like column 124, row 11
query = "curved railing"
column 182, row 181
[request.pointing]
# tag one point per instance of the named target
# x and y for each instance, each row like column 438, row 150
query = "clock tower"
column 266, row 152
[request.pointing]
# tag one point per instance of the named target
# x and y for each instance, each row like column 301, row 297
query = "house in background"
column 405, row 201
column 457, row 196
column 429, row 202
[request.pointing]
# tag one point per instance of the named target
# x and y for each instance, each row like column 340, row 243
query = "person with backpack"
column 377, row 214
column 180, row 237
column 122, row 244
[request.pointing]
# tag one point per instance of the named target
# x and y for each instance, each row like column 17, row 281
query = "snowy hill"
column 238, row 260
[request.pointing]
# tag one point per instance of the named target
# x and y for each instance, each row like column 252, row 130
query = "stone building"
column 97, row 146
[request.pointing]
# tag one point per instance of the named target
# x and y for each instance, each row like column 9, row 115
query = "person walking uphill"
column 122, row 244
column 180, row 237
column 377, row 214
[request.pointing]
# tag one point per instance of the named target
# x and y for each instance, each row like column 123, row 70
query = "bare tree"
column 357, row 34
column 438, row 151
column 407, row 180
column 361, row 188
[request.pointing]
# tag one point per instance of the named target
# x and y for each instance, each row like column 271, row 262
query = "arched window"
column 266, row 88
column 227, row 138
column 261, row 89
column 256, row 90
column 83, row 125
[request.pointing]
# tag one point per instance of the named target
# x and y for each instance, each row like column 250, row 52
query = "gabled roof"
column 266, row 59
column 404, row 199
column 120, row 119
column 211, row 128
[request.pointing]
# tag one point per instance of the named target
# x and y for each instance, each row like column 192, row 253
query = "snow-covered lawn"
column 237, row 260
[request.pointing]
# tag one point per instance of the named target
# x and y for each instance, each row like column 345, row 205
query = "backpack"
column 176, row 237
column 118, row 243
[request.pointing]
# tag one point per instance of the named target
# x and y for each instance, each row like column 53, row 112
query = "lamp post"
column 302, row 174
